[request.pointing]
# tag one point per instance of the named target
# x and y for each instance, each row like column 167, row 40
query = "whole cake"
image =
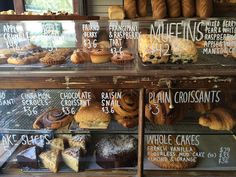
column 117, row 151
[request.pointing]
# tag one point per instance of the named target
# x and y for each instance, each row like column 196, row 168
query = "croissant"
column 204, row 8
column 218, row 119
column 142, row 8
column 188, row 8
column 130, row 8
column 174, row 8
column 159, row 9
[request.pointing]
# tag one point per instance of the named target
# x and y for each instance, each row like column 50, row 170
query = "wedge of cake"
column 51, row 160
column 71, row 157
column 57, row 144
column 28, row 158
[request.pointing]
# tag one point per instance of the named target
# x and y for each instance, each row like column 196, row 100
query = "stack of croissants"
column 213, row 117
column 169, row 8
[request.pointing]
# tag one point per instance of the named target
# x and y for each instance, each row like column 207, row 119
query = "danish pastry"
column 52, row 119
column 126, row 111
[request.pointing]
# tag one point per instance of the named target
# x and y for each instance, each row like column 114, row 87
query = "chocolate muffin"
column 117, row 151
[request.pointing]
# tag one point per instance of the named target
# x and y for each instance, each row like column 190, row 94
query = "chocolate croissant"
column 188, row 8
column 204, row 8
column 174, row 8
column 159, row 9
column 130, row 8
column 142, row 8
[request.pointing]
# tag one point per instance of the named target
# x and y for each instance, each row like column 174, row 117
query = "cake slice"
column 71, row 157
column 80, row 141
column 28, row 158
column 51, row 160
column 57, row 144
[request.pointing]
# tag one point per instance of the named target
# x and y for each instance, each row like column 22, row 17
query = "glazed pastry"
column 188, row 8
column 142, row 8
column 122, row 58
column 218, row 119
column 29, row 57
column 153, row 49
column 130, row 8
column 80, row 56
column 126, row 111
column 116, row 13
column 170, row 155
column 72, row 158
column 174, row 8
column 204, row 8
column 117, row 151
column 183, row 51
column 159, row 9
column 56, row 57
column 92, row 117
column 80, row 142
column 51, row 160
column 99, row 56
column 58, row 144
column 52, row 119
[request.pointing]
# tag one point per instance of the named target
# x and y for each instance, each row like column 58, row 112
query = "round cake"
column 117, row 151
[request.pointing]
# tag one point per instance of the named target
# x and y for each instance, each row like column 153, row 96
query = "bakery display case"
column 122, row 88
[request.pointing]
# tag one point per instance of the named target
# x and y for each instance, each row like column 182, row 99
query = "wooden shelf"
column 46, row 17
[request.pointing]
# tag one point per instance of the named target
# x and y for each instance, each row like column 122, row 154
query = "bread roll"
column 159, row 9
column 116, row 13
column 174, row 8
column 130, row 8
column 142, row 8
column 204, row 8
column 188, row 8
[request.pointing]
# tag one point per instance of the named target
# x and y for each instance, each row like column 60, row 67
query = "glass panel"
column 95, row 128
column 190, row 129
column 41, row 6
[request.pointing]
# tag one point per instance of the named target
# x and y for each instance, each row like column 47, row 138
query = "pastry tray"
column 23, row 122
column 208, row 144
column 90, row 162
column 209, row 61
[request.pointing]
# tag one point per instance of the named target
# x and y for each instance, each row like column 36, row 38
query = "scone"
column 183, row 51
column 153, row 49
column 51, row 160
column 92, row 117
